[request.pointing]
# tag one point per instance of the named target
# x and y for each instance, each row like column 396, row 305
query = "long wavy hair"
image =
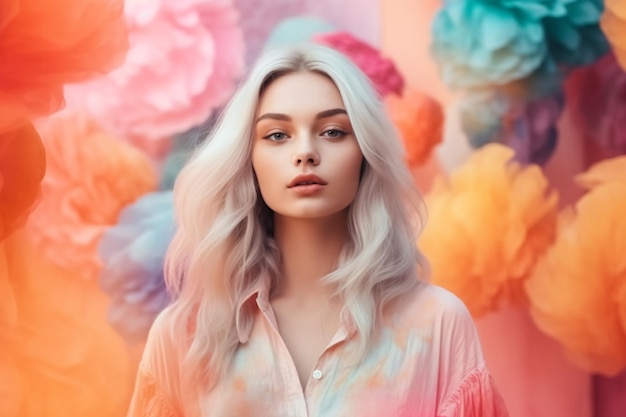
column 224, row 241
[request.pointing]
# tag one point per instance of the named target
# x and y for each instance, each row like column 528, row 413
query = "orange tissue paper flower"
column 47, row 43
column 487, row 225
column 613, row 23
column 90, row 178
column 60, row 357
column 22, row 166
column 577, row 293
column 419, row 119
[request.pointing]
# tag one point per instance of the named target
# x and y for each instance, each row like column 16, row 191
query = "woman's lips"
column 306, row 179
column 307, row 189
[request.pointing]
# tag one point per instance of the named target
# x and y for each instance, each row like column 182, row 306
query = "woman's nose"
column 306, row 153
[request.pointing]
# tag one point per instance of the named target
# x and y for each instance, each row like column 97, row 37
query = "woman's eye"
column 276, row 136
column 334, row 133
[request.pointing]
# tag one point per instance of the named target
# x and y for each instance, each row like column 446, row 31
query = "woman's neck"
column 310, row 249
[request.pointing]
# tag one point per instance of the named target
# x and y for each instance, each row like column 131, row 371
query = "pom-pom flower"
column 597, row 98
column 574, row 37
column 577, row 292
column 133, row 252
column 61, row 358
column 419, row 119
column 296, row 29
column 46, row 43
column 22, row 166
column 533, row 133
column 90, row 177
column 487, row 226
column 530, row 128
column 185, row 57
column 482, row 116
column 182, row 147
column 380, row 70
column 179, row 154
column 480, row 43
column 613, row 24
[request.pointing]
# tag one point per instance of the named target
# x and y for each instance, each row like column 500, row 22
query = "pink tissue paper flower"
column 184, row 59
column 90, row 177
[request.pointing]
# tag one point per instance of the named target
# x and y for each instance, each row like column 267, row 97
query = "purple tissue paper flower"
column 133, row 252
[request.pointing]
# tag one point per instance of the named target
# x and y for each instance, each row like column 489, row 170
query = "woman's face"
column 304, row 154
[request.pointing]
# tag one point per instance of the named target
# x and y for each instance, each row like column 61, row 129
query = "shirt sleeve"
column 475, row 397
column 466, row 386
column 158, row 380
column 149, row 399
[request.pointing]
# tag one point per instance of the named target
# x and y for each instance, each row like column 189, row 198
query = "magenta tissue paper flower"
column 598, row 102
column 381, row 71
column 184, row 59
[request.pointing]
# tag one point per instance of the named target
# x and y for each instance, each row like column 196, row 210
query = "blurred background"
column 512, row 113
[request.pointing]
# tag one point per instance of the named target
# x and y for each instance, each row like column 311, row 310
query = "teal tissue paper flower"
column 544, row 81
column 482, row 116
column 486, row 43
column 576, row 39
column 183, row 146
column 478, row 43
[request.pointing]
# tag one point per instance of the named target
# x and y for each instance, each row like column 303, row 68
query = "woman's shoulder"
column 440, row 316
column 428, row 301
column 442, row 322
column 162, row 350
column 157, row 388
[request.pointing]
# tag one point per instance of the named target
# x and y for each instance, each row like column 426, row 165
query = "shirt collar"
column 260, row 289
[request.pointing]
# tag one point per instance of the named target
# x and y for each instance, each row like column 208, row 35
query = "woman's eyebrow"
column 274, row 116
column 283, row 117
column 330, row 113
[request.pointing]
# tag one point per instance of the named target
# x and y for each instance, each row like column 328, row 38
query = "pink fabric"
column 150, row 400
column 475, row 397
column 425, row 361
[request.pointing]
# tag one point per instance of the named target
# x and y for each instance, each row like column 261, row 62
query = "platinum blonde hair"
column 224, row 244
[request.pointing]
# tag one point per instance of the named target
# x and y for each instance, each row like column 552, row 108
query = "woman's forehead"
column 301, row 91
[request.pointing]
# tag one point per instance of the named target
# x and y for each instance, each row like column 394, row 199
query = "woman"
column 298, row 287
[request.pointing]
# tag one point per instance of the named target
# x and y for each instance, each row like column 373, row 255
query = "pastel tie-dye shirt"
column 425, row 361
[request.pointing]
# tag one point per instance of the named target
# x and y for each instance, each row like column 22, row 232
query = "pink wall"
column 359, row 17
column 259, row 18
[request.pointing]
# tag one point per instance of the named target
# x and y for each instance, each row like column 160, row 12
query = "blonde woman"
column 299, row 290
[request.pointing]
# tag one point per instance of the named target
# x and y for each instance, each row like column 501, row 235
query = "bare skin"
column 302, row 128
column 306, row 314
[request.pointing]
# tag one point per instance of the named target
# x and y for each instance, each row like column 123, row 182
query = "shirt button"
column 317, row 374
